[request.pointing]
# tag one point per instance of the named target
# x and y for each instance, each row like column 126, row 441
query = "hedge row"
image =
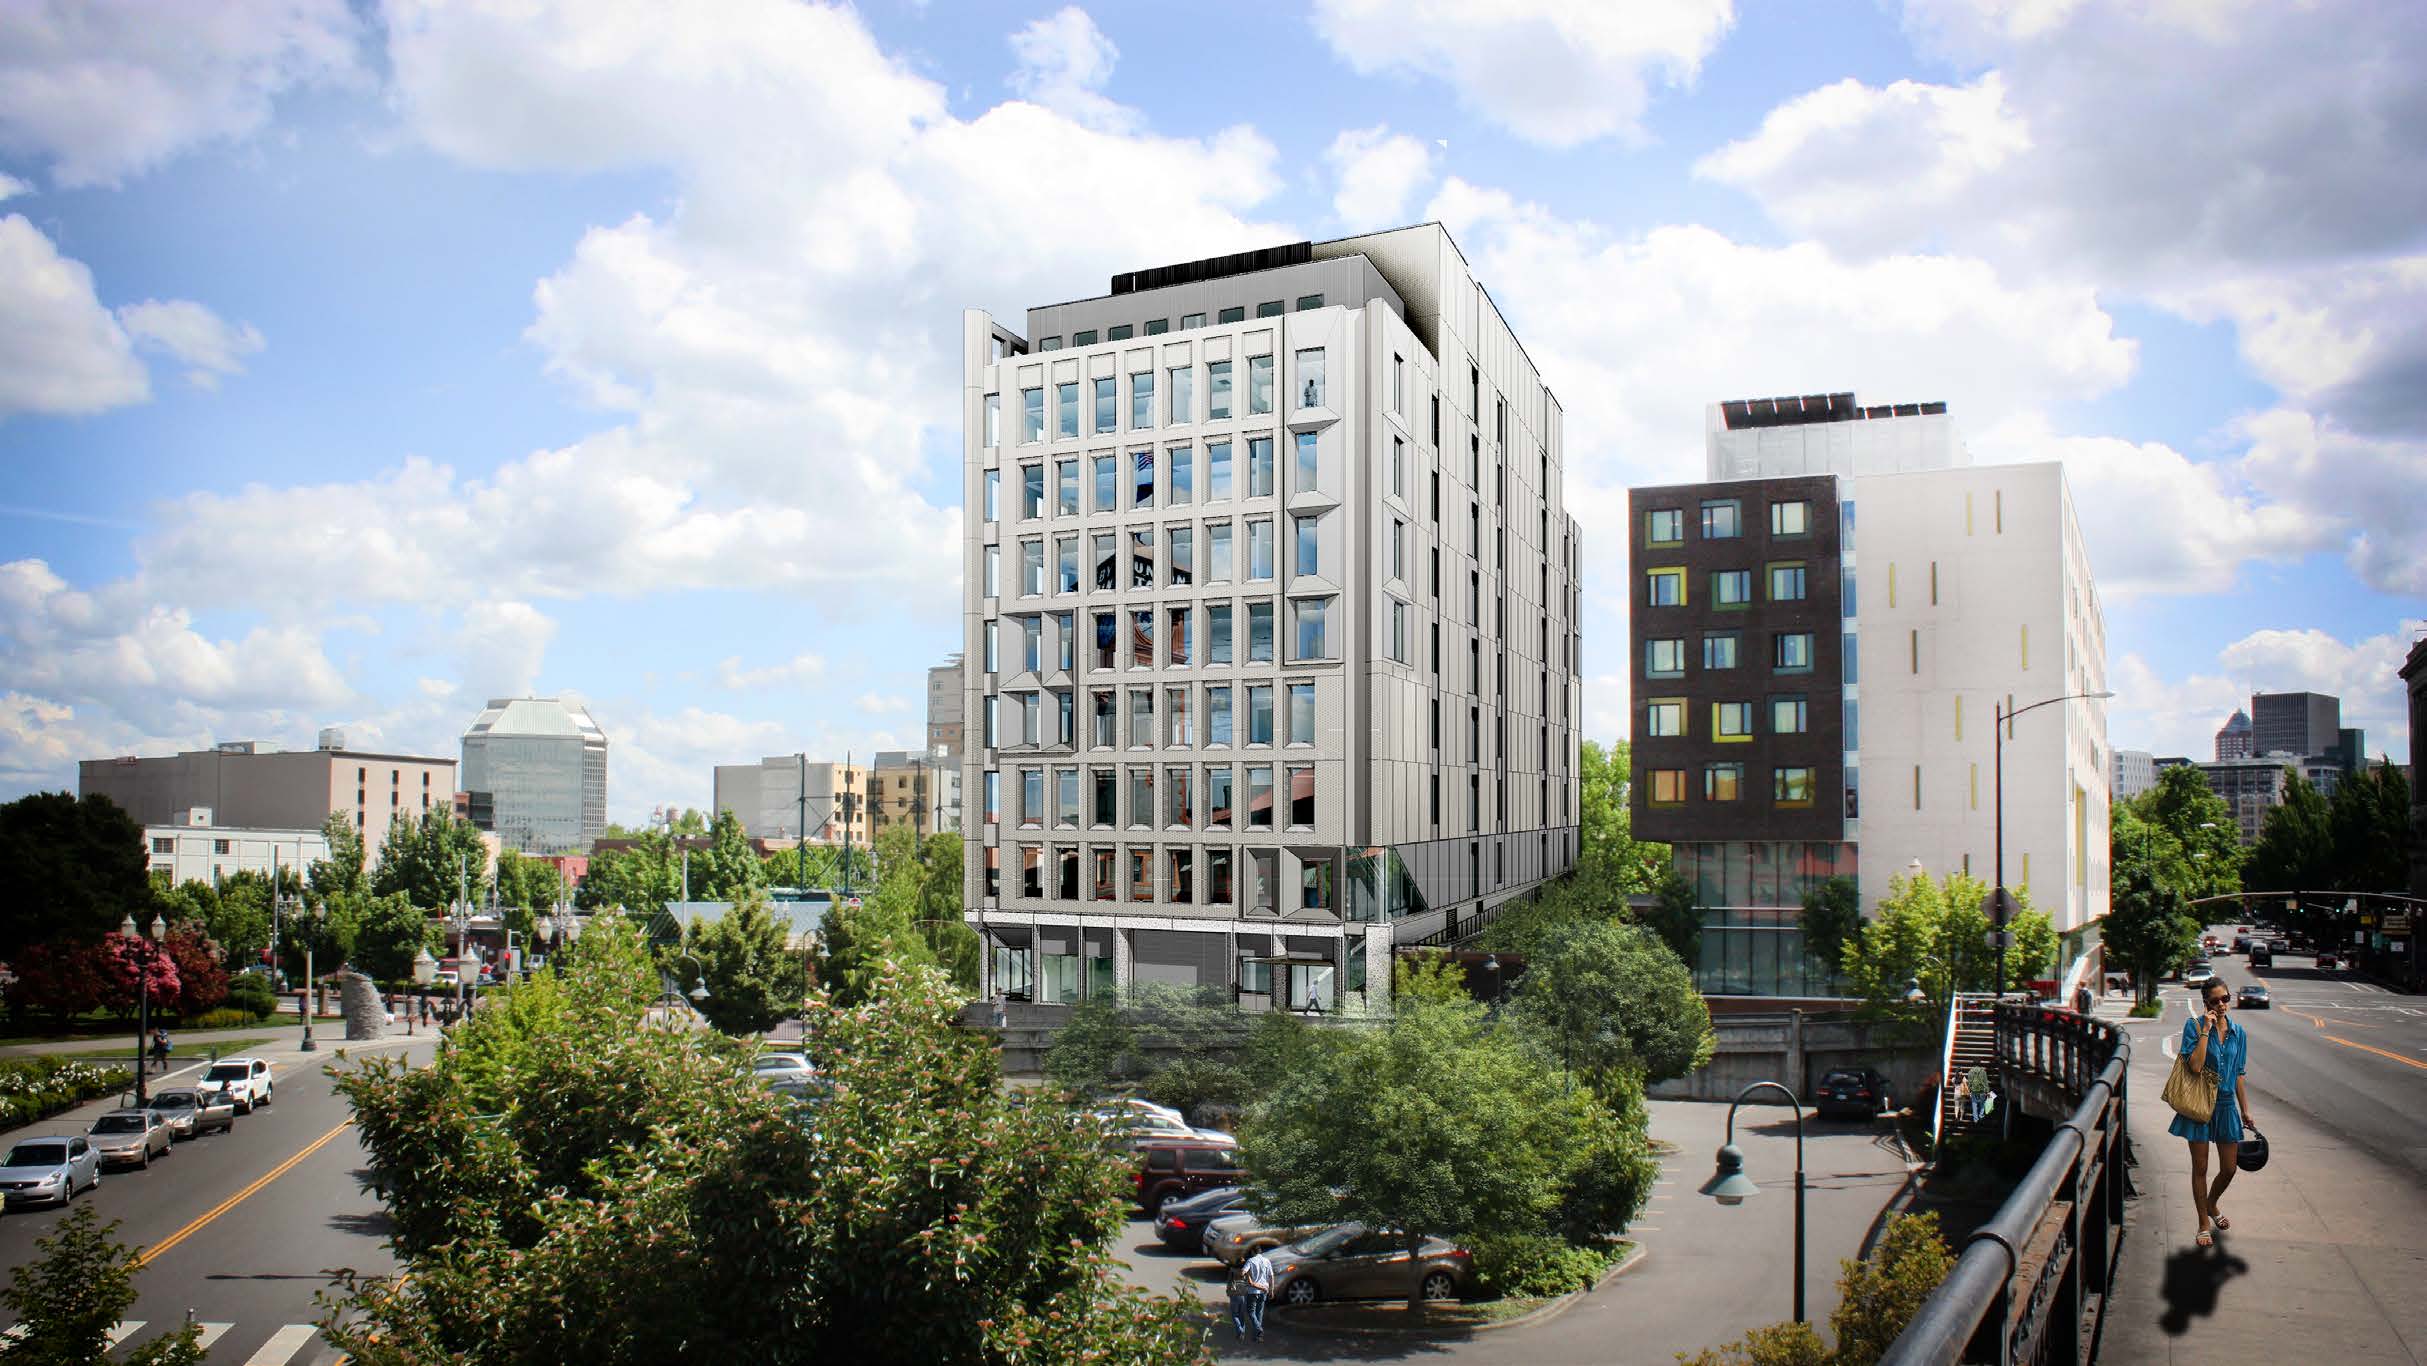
column 37, row 1088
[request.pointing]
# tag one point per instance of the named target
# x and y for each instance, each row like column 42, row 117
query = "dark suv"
column 1856, row 1092
column 1173, row 1167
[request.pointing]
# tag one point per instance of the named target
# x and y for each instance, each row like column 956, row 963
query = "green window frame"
column 1787, row 581
column 1664, row 587
column 1664, row 526
column 1664, row 657
column 1722, row 519
column 1791, row 517
column 1731, row 589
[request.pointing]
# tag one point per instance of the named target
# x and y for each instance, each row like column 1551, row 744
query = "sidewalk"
column 2324, row 1261
column 227, row 1040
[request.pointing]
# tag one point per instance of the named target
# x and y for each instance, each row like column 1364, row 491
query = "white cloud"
column 1064, row 61
column 792, row 673
column 102, row 91
column 2373, row 493
column 2181, row 715
column 498, row 647
column 60, row 351
column 882, row 703
column 1379, row 172
column 1552, row 72
column 193, row 334
column 11, row 187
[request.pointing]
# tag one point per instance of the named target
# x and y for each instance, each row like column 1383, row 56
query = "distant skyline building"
column 791, row 796
column 255, row 785
column 2135, row 772
column 541, row 764
column 2233, row 738
column 945, row 727
column 2250, row 789
column 1822, row 632
column 195, row 849
column 2302, row 723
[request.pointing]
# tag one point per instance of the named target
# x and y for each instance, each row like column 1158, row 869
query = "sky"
column 362, row 362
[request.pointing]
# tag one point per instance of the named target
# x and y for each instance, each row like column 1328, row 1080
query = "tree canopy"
column 2295, row 847
column 2149, row 927
column 753, row 980
column 612, row 1194
column 1614, row 996
column 1935, row 932
column 70, row 869
column 431, row 861
column 2369, row 822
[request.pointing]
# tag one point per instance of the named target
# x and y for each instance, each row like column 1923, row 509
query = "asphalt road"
column 2348, row 1054
column 241, row 1229
column 1708, row 1272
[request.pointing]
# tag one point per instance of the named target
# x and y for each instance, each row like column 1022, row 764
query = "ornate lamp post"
column 147, row 958
column 319, row 916
column 1729, row 1185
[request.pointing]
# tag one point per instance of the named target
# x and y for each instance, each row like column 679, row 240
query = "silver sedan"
column 191, row 1110
column 131, row 1138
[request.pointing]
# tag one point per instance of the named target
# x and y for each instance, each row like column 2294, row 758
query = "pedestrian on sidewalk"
column 1255, row 1287
column 2214, row 1043
column 160, row 1049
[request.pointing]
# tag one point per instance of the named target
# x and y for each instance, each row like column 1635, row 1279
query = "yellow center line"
column 145, row 1257
column 2320, row 1024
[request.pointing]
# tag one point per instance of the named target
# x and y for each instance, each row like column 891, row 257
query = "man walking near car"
column 1255, row 1287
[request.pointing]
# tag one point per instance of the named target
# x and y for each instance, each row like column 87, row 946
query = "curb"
column 1548, row 1310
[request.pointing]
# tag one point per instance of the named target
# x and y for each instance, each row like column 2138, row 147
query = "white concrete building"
column 192, row 849
column 2134, row 772
column 1270, row 624
column 783, row 795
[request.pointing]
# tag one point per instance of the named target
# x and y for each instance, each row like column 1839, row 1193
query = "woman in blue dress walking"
column 2213, row 1042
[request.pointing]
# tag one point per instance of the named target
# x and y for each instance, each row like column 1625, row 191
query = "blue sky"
column 360, row 362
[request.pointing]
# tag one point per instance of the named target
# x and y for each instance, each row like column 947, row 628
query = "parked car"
column 2198, row 975
column 1853, row 1093
column 246, row 1082
column 131, row 1138
column 51, row 1168
column 772, row 1067
column 1183, row 1222
column 1133, row 1105
column 1351, row 1262
column 2256, row 997
column 2327, row 962
column 1169, row 1168
column 1234, row 1238
column 191, row 1111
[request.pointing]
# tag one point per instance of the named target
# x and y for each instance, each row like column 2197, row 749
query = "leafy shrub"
column 66, row 1300
column 226, row 1017
column 36, row 1088
column 1778, row 1344
column 2148, row 1010
column 1535, row 1267
column 251, row 992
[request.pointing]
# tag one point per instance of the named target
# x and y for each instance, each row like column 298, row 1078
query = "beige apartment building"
column 250, row 784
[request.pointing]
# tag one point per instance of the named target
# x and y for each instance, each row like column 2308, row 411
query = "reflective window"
column 994, row 420
column 1107, row 483
column 1312, row 642
column 1722, row 519
column 1259, row 633
column 1183, row 476
column 1066, row 488
column 1306, row 548
column 1217, row 632
column 1310, row 378
column 1664, row 658
column 1301, row 713
column 1066, row 409
column 1259, row 549
column 1310, row 468
column 1142, row 400
column 1259, row 467
column 1032, row 414
column 1259, row 796
column 1182, row 560
column 1722, row 782
column 1217, row 389
column 1032, row 492
column 1142, row 478
column 1664, row 526
column 1719, row 650
column 1259, row 384
column 1217, row 471
column 1259, row 714
column 1182, row 392
column 1217, row 715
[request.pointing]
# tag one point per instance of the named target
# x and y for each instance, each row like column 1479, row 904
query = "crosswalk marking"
column 122, row 1330
column 283, row 1345
column 212, row 1332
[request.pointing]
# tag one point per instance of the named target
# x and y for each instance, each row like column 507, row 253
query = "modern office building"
column 784, row 795
column 1271, row 624
column 2134, row 772
column 1822, row 633
column 919, row 790
column 540, row 764
column 2414, row 683
column 195, row 848
column 2250, row 788
column 2301, row 723
column 946, row 683
column 254, row 785
column 2233, row 739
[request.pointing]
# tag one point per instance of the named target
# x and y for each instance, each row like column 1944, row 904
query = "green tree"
column 393, row 930
column 2370, row 823
column 638, row 1201
column 611, row 957
column 883, row 930
column 2149, row 927
column 2193, row 837
column 1094, row 1049
column 67, row 1299
column 1434, row 1123
column 1934, row 931
column 949, row 937
column 342, row 873
column 70, row 869
column 1832, row 915
column 753, row 980
column 726, row 870
column 640, row 879
column 1676, row 918
column 2295, row 849
column 237, row 920
column 1614, row 997
column 432, row 860
column 1611, row 863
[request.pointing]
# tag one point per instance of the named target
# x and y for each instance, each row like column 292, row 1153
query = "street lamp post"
column 319, row 916
column 1999, row 902
column 147, row 959
column 1729, row 1185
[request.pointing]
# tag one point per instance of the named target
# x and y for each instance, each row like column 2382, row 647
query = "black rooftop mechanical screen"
column 1213, row 268
column 1811, row 408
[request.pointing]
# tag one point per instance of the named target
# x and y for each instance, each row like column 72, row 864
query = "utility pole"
column 801, row 850
column 847, row 809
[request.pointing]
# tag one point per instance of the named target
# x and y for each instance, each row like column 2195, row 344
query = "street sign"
column 1999, row 939
column 1998, row 905
column 2396, row 922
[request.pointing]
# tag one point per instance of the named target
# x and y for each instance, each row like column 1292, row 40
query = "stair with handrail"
column 1970, row 1048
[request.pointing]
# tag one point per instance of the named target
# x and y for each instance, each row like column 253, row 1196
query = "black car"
column 2255, row 997
column 1853, row 1093
column 1182, row 1223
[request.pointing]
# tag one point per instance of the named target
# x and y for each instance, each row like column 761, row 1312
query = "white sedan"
column 774, row 1067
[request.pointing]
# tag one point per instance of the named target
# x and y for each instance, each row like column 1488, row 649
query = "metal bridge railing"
column 2032, row 1282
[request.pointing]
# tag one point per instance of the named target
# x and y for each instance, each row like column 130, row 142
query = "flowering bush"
column 36, row 1088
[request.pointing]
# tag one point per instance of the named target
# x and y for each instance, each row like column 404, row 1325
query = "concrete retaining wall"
column 1796, row 1050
